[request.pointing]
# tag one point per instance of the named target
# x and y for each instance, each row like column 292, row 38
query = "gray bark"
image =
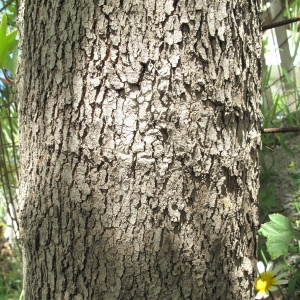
column 139, row 140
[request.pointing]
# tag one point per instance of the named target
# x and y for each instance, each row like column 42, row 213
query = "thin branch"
column 7, row 80
column 284, row 129
column 280, row 23
column 7, row 4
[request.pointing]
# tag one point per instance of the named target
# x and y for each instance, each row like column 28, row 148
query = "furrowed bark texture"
column 139, row 146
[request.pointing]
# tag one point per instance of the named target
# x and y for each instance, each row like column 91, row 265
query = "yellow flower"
column 268, row 279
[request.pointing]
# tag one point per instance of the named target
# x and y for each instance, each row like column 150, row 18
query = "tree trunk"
column 139, row 131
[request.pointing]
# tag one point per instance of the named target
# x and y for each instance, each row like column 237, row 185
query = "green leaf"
column 288, row 77
column 292, row 284
column 8, row 42
column 11, row 62
column 279, row 233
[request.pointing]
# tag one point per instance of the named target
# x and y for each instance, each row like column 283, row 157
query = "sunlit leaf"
column 11, row 62
column 8, row 41
column 279, row 233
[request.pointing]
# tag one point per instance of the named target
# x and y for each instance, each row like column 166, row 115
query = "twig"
column 284, row 129
column 280, row 23
column 7, row 4
column 7, row 80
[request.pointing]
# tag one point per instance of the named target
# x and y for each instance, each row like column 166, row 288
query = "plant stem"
column 280, row 290
column 21, row 296
column 263, row 256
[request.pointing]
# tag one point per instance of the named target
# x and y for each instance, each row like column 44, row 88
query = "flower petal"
column 280, row 275
column 273, row 288
column 266, row 295
column 277, row 269
column 269, row 266
column 259, row 295
column 260, row 268
column 282, row 281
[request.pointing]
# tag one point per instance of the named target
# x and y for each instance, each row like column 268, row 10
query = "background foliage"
column 10, row 256
column 280, row 230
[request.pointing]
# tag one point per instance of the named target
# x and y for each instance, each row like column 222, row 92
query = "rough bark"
column 139, row 137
